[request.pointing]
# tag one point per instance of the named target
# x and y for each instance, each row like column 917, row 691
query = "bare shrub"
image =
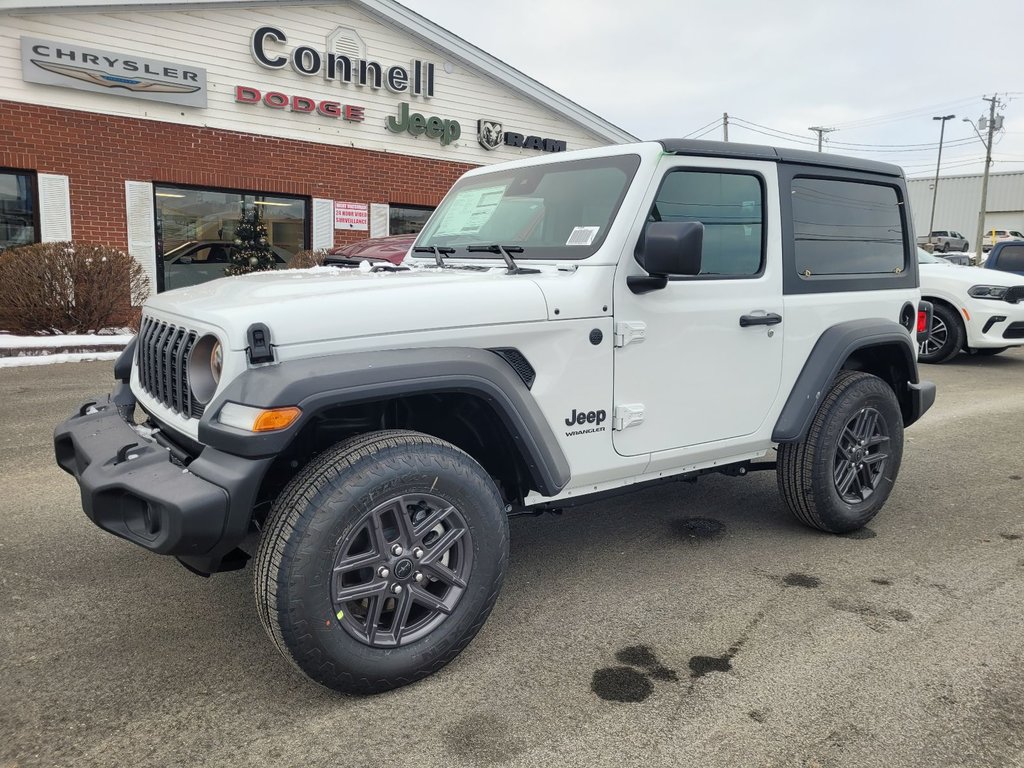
column 307, row 259
column 57, row 288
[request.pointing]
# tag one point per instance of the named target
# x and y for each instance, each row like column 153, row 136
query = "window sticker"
column 582, row 235
column 469, row 211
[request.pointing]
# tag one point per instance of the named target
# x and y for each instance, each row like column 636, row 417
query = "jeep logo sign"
column 446, row 131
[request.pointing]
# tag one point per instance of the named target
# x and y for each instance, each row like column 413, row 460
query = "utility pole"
column 725, row 126
column 820, row 131
column 935, row 192
column 992, row 104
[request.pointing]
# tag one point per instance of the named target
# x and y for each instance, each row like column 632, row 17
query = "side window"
column 847, row 228
column 729, row 205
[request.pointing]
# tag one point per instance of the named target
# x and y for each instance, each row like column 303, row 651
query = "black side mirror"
column 667, row 248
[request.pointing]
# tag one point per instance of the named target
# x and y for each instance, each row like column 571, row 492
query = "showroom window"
column 195, row 230
column 18, row 224
column 407, row 219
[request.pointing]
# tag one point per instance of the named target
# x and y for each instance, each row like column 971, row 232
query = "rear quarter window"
column 846, row 228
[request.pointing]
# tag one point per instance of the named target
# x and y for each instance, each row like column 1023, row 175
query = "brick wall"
column 99, row 152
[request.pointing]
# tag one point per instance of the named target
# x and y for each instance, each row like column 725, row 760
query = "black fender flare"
column 318, row 383
column 833, row 348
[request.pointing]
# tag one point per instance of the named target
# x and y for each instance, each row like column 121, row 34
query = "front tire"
column 840, row 475
column 945, row 338
column 381, row 560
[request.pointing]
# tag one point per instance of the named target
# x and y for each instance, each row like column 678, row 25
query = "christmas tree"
column 252, row 252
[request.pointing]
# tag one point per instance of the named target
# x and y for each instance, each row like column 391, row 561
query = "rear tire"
column 945, row 338
column 840, row 475
column 379, row 511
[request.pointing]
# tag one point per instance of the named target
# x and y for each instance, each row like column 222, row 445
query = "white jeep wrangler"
column 566, row 327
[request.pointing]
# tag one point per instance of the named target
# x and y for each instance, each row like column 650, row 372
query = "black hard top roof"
column 775, row 155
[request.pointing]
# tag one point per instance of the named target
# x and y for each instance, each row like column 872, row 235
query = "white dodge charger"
column 980, row 311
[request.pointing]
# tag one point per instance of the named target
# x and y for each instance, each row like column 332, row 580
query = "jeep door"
column 700, row 360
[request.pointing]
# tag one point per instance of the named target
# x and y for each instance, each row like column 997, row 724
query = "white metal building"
column 959, row 201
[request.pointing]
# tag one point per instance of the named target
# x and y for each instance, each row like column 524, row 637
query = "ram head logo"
column 489, row 133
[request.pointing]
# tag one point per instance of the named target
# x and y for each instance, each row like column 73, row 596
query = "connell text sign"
column 269, row 46
column 84, row 68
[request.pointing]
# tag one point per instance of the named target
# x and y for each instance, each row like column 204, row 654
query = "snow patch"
column 10, row 341
column 66, row 357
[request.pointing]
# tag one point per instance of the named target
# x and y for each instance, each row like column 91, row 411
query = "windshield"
column 551, row 211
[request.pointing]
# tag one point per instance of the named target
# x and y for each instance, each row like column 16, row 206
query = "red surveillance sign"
column 245, row 94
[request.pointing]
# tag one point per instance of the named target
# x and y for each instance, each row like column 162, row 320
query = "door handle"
column 769, row 319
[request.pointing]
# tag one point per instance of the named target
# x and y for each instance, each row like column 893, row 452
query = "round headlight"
column 204, row 368
column 217, row 361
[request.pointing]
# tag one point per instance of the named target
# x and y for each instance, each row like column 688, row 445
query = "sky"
column 875, row 71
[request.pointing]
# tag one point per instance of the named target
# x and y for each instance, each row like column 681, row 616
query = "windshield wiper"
column 438, row 252
column 504, row 251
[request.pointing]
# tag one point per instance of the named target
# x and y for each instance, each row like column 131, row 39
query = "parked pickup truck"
column 945, row 240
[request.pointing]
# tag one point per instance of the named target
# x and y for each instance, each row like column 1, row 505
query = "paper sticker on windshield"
column 469, row 210
column 582, row 235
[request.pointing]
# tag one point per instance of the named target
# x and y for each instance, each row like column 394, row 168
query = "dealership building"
column 151, row 126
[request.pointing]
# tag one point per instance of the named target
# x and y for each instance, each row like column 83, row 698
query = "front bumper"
column 198, row 508
column 994, row 323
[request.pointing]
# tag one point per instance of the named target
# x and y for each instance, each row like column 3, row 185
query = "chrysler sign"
column 91, row 69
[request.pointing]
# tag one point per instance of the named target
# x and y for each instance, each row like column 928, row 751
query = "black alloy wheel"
column 839, row 476
column 402, row 570
column 380, row 560
column 861, row 456
column 945, row 338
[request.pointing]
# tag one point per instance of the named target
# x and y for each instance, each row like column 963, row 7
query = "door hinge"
column 629, row 331
column 627, row 416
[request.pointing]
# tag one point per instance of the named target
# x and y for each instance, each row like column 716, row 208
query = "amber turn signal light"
column 275, row 418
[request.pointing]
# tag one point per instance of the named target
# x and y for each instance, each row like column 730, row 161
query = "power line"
column 772, row 133
column 897, row 116
column 714, row 123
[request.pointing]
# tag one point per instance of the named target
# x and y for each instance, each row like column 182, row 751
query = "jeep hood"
column 325, row 303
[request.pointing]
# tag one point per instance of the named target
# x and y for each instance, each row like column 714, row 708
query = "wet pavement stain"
column 484, row 738
column 860, row 535
column 695, row 529
column 873, row 616
column 701, row 665
column 1011, row 536
column 757, row 715
column 623, row 684
column 1016, row 477
column 882, row 582
column 801, row 580
column 631, row 684
column 643, row 657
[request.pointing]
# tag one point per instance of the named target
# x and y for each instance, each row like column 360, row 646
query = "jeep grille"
column 163, row 365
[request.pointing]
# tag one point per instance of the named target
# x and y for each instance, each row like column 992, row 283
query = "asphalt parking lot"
column 686, row 625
